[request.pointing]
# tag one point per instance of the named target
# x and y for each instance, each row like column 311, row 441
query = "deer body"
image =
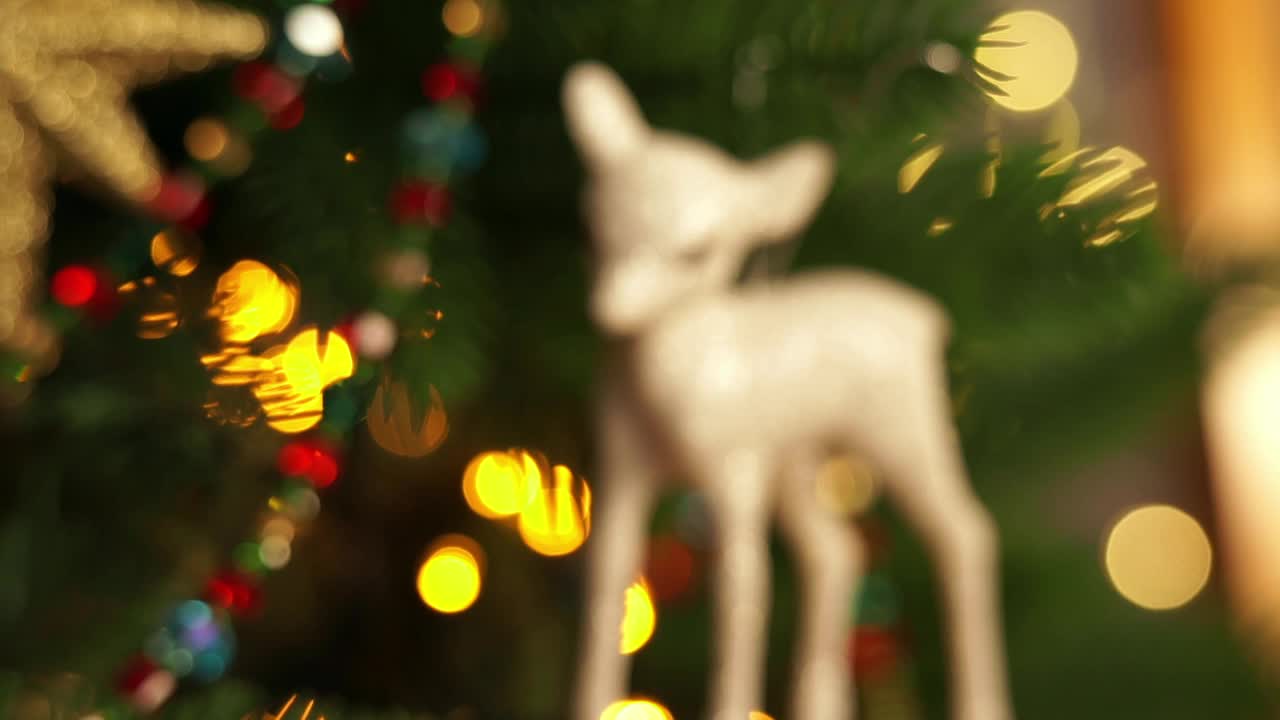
column 727, row 371
column 743, row 391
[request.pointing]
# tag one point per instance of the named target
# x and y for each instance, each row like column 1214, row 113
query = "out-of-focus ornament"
column 418, row 201
column 145, row 684
column 74, row 285
column 671, row 235
column 233, row 591
column 404, row 427
column 875, row 651
column 375, row 335
column 558, row 520
column 69, row 74
column 450, row 80
column 671, row 569
column 195, row 642
column 313, row 30
column 407, row 269
column 441, row 139
column 450, row 577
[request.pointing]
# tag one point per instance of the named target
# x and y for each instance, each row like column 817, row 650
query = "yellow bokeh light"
column 636, row 710
column 1158, row 557
column 292, row 393
column 639, row 619
column 174, row 253
column 557, row 522
column 206, row 139
column 757, row 715
column 496, row 485
column 399, row 428
column 846, row 486
column 463, row 18
column 917, row 165
column 449, row 579
column 251, row 300
column 1030, row 57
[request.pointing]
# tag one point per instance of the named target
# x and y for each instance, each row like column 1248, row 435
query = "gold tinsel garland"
column 66, row 69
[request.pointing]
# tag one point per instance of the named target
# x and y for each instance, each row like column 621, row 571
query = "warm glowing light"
column 351, row 158
column 940, row 226
column 314, row 30
column 1158, row 557
column 1062, row 132
column 640, row 618
column 757, row 715
column 251, row 300
column 556, row 522
column 175, row 253
column 846, row 486
column 449, row 579
column 274, row 552
column 1029, row 57
column 206, row 139
column 917, row 165
column 292, row 392
column 399, row 427
column 495, row 484
column 636, row 710
column 1116, row 175
column 463, row 18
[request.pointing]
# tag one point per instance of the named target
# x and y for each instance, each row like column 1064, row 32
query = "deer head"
column 673, row 216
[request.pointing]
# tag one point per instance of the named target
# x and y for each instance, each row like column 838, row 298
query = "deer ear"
column 786, row 188
column 604, row 120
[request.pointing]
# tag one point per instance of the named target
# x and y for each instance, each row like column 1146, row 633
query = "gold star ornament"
column 66, row 70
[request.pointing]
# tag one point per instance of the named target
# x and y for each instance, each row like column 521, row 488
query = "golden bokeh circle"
column 1158, row 557
column 449, row 579
column 1034, row 58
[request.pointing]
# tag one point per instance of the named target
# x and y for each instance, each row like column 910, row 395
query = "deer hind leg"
column 928, row 482
column 828, row 553
column 738, row 486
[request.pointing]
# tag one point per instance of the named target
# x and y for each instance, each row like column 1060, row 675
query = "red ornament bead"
column 74, row 285
column 324, row 469
column 178, row 198
column 133, row 675
column 874, row 651
column 295, row 458
column 234, row 591
column 289, row 116
column 672, row 568
column 250, row 79
column 445, row 81
column 417, row 201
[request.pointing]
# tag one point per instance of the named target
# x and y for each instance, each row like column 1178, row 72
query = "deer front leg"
column 738, row 493
column 628, row 484
column 829, row 559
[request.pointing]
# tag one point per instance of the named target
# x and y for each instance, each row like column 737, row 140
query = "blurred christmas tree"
column 274, row 377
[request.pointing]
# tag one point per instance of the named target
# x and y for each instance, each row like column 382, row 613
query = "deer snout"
column 628, row 297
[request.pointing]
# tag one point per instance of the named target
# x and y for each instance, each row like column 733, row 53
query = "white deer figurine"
column 744, row 391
